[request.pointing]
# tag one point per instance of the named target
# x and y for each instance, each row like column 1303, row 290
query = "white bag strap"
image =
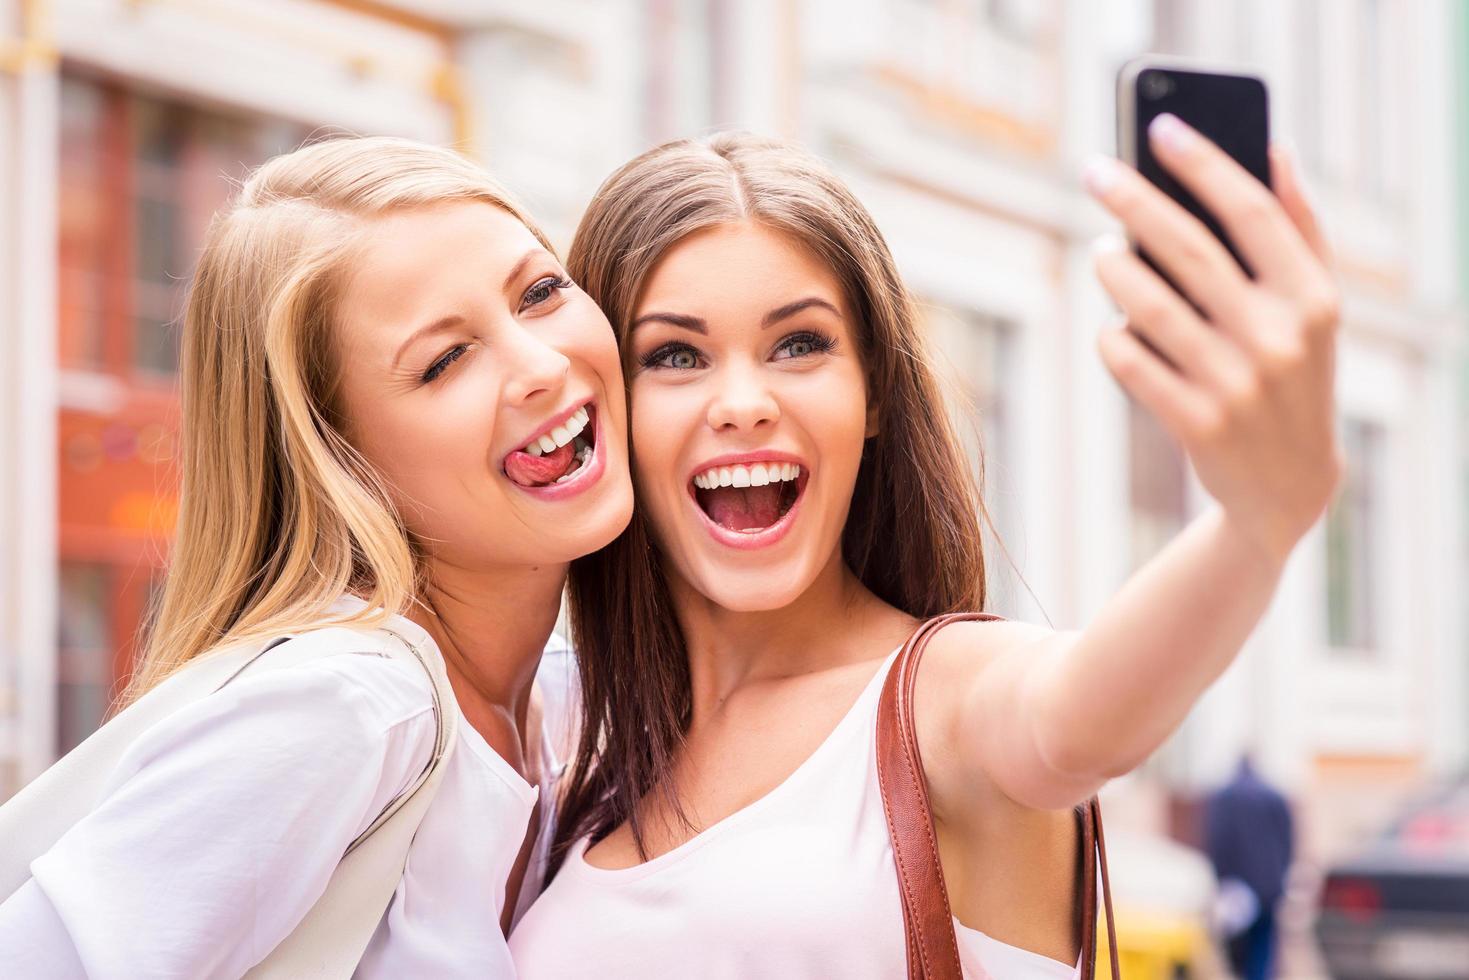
column 330, row 940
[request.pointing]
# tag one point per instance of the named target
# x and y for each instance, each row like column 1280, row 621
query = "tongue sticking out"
column 537, row 471
column 742, row 508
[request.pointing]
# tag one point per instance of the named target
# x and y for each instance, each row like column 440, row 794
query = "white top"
column 223, row 823
column 799, row 884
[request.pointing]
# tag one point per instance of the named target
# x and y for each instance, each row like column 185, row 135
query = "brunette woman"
column 803, row 505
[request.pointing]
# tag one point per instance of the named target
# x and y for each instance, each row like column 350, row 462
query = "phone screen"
column 1230, row 110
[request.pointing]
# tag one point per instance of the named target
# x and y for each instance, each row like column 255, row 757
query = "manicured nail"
column 1171, row 132
column 1101, row 175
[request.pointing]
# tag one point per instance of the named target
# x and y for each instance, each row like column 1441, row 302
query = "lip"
column 753, row 540
column 586, row 477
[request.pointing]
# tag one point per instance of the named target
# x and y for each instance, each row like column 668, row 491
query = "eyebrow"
column 776, row 315
column 442, row 323
column 455, row 319
column 791, row 309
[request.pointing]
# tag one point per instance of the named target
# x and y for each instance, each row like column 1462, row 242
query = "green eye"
column 682, row 359
column 803, row 344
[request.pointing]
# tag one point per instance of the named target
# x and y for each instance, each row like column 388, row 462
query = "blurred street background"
column 964, row 126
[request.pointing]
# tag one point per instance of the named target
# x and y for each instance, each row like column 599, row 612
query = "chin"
column 598, row 528
column 752, row 590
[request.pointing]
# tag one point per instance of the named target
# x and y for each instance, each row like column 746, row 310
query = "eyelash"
column 547, row 282
column 442, row 364
column 820, row 344
column 438, row 367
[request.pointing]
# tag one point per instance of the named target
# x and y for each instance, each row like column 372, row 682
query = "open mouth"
column 558, row 455
column 749, row 498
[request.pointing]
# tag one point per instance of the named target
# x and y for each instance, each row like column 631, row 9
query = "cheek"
column 663, row 418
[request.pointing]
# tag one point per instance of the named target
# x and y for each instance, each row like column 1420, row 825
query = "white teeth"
column 758, row 475
column 561, row 435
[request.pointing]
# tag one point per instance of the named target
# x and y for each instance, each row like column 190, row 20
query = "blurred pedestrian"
column 1249, row 836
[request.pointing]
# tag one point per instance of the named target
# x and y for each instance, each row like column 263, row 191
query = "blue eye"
column 678, row 357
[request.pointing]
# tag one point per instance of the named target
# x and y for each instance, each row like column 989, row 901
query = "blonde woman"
column 803, row 506
column 399, row 412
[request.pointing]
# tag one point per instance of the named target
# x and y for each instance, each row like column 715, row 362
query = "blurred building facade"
column 963, row 124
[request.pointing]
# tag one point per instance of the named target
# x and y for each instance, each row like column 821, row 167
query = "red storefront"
column 140, row 177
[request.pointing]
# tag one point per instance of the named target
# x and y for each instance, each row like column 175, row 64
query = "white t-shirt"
column 223, row 823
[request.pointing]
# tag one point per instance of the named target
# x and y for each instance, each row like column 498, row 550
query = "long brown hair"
column 913, row 475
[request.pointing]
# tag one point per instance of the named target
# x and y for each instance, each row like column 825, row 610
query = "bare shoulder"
column 965, row 660
column 960, row 650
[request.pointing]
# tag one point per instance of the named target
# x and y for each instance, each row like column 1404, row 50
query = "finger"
column 1177, row 241
column 1181, row 408
column 1252, row 217
column 1297, row 203
column 1154, row 310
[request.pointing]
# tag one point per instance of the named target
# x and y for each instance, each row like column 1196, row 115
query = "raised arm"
column 1241, row 373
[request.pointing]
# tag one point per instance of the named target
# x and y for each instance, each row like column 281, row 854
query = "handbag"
column 928, row 922
column 329, row 941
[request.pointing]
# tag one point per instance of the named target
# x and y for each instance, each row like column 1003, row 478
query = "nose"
column 535, row 367
column 742, row 401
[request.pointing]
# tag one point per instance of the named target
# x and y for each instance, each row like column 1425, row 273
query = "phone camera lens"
column 1156, row 85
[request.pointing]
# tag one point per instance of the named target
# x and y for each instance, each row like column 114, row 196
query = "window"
column 84, row 646
column 82, row 226
column 1353, row 552
column 140, row 178
column 981, row 351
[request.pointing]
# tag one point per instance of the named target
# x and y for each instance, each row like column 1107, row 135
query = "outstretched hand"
column 1245, row 380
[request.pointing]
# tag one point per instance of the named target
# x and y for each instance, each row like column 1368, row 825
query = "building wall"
column 964, row 126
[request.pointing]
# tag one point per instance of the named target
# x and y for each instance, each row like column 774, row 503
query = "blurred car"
column 1400, row 908
column 1163, row 893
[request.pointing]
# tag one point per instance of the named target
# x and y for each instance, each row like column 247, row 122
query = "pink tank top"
column 799, row 884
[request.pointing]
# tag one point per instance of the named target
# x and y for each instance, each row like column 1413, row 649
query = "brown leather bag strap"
column 928, row 924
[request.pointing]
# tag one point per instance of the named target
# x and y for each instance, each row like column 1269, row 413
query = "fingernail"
column 1101, row 175
column 1171, row 132
column 1108, row 244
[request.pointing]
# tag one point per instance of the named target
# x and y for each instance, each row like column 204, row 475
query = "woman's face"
column 749, row 411
column 485, row 388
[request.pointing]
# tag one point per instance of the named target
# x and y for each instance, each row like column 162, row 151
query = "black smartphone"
column 1232, row 109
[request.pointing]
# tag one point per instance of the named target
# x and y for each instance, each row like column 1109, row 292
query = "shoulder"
column 961, row 652
column 966, row 667
column 335, row 669
column 328, row 692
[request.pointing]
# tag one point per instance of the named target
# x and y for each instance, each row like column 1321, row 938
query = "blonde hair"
column 279, row 515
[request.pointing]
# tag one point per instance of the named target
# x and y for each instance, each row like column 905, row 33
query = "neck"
column 491, row 625
column 729, row 649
